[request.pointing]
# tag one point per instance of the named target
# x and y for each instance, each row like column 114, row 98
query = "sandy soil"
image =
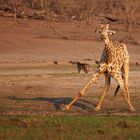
column 29, row 82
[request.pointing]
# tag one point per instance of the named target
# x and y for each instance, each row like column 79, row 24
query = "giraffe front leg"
column 106, row 88
column 82, row 92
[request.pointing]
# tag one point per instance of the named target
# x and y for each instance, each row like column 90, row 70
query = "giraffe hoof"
column 66, row 108
column 133, row 109
column 97, row 109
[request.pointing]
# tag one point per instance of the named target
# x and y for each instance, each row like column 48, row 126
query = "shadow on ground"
column 58, row 102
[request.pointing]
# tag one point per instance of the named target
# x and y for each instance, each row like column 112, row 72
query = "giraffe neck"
column 109, row 48
column 107, row 41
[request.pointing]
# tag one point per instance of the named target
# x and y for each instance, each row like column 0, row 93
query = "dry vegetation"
column 124, row 11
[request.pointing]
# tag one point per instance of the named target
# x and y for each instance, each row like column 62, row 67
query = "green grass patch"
column 69, row 127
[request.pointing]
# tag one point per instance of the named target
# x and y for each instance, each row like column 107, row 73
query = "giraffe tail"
column 118, row 87
column 116, row 91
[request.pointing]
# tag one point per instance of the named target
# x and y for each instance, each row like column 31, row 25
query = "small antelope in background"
column 81, row 66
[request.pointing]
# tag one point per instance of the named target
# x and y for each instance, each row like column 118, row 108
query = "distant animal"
column 81, row 66
column 137, row 64
column 55, row 62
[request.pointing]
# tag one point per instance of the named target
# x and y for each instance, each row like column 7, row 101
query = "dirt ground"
column 30, row 84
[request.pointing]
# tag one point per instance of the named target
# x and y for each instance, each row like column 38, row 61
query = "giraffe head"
column 104, row 31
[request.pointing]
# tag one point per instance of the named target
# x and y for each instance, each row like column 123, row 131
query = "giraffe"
column 114, row 60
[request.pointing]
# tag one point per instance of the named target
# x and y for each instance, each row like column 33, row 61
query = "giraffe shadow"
column 58, row 102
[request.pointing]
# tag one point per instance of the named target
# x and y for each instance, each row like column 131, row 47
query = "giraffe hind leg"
column 126, row 74
column 124, row 91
